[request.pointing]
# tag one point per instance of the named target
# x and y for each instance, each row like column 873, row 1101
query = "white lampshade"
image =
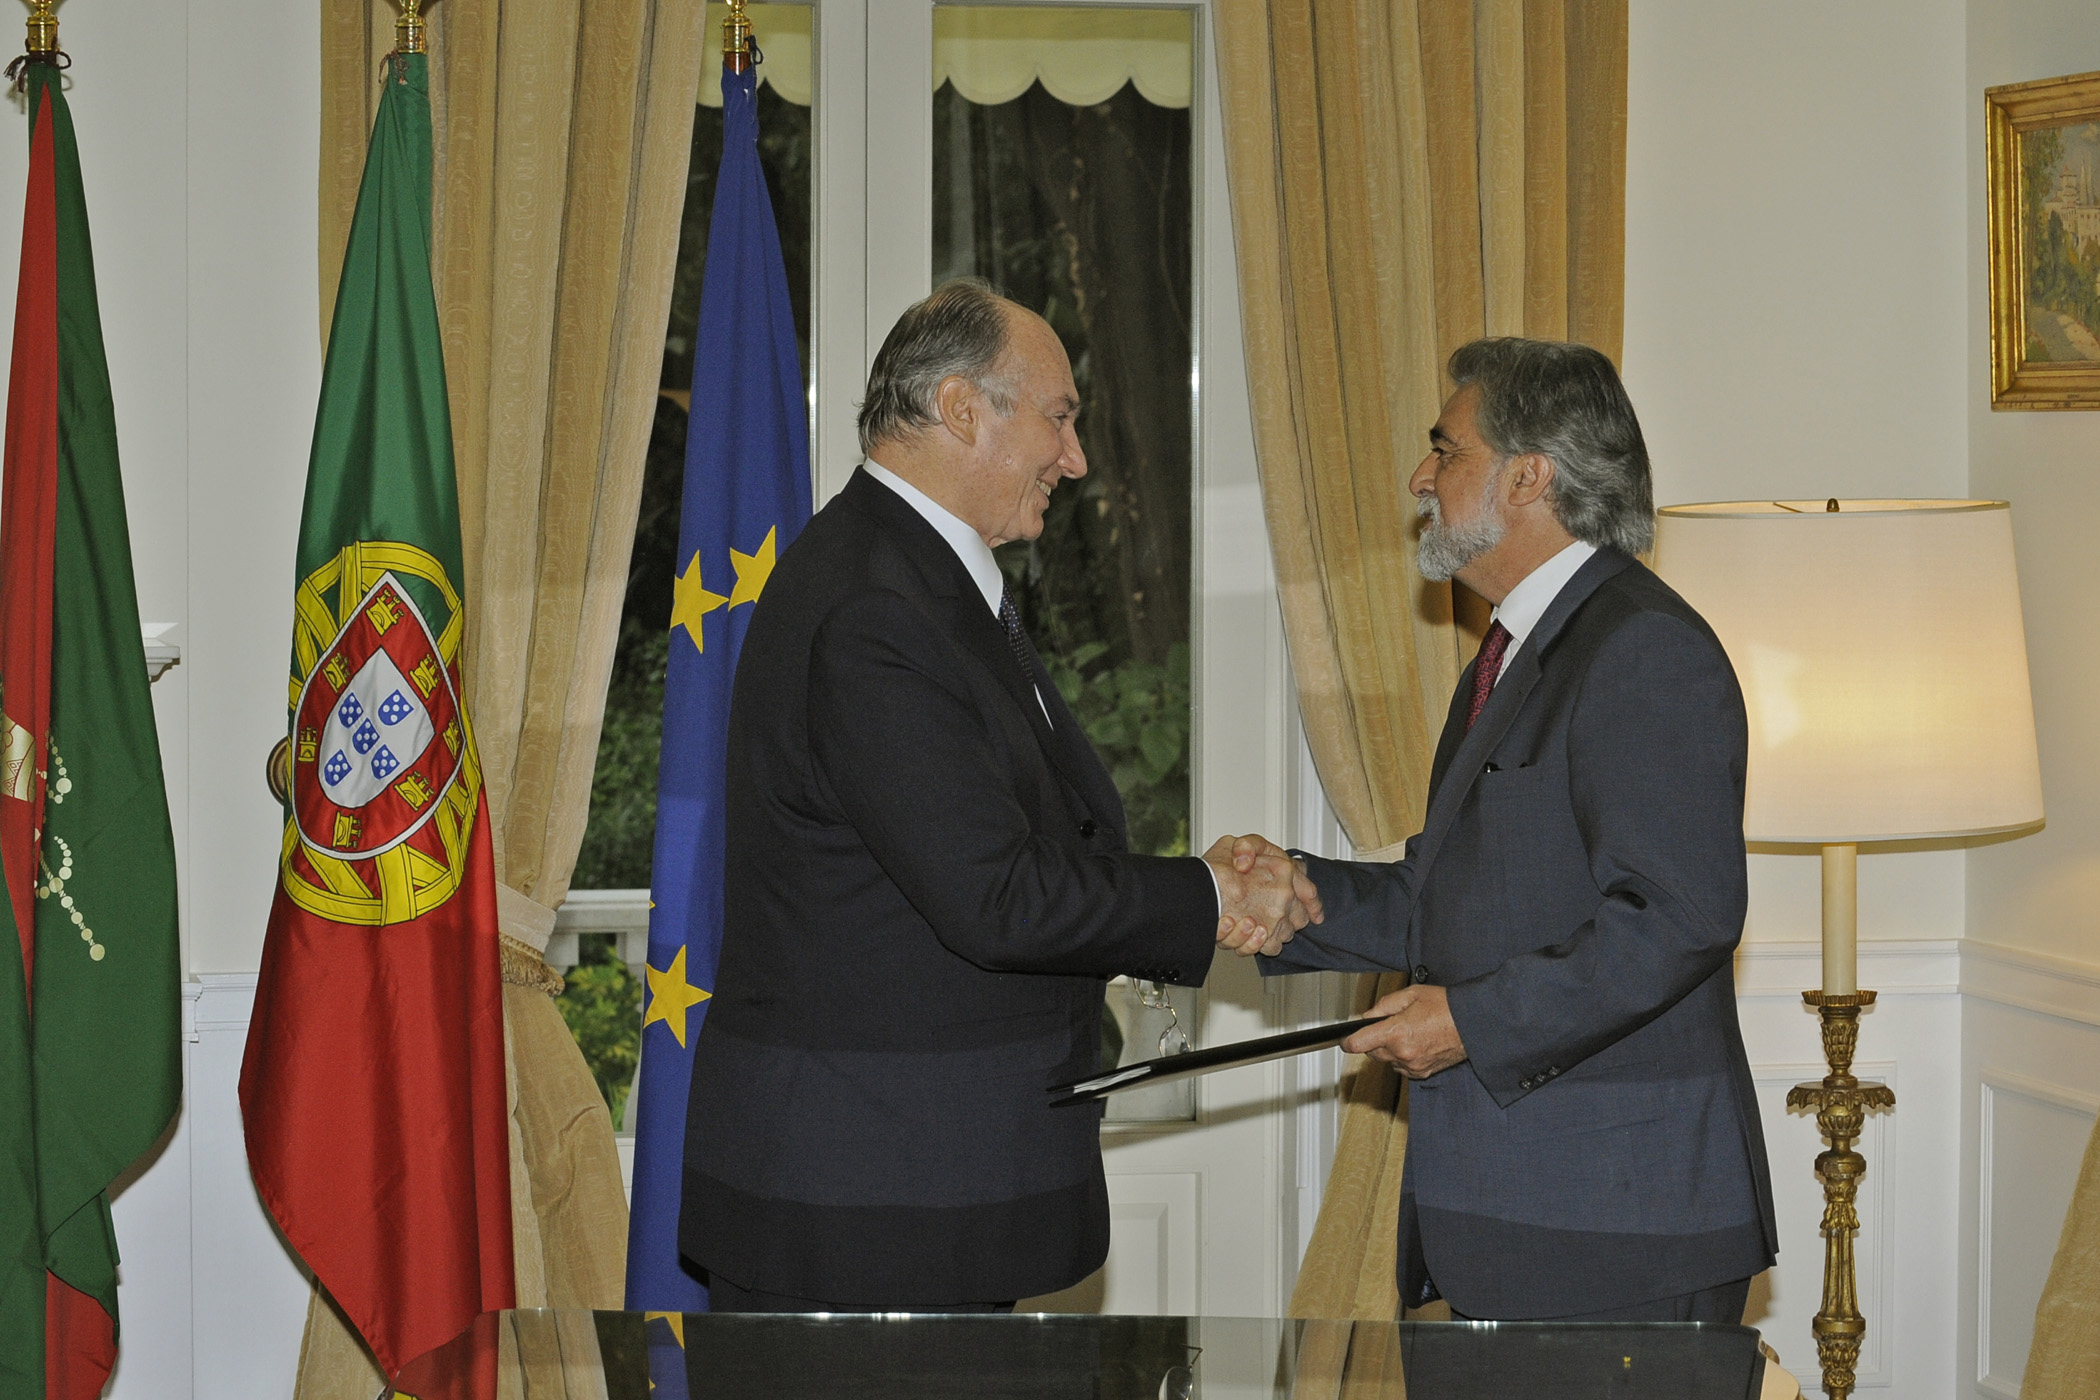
column 1882, row 658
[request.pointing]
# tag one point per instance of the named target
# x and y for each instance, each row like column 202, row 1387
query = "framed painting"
column 2042, row 176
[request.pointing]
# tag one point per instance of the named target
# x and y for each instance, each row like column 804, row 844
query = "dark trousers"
column 726, row 1297
column 1723, row 1303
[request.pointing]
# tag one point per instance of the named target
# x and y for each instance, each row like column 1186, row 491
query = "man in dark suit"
column 927, row 881
column 1583, row 1141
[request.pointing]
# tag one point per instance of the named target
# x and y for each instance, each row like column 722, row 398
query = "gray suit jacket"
column 1579, row 887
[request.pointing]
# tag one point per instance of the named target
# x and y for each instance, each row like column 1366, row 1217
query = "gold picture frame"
column 2042, row 179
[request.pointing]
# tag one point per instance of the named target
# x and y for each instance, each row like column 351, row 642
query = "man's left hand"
column 1417, row 1036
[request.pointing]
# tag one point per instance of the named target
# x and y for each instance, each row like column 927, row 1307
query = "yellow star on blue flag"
column 671, row 996
column 691, row 603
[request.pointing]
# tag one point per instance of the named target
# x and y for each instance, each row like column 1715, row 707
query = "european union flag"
column 746, row 498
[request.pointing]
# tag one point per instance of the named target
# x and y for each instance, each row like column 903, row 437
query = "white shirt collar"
column 969, row 546
column 1527, row 602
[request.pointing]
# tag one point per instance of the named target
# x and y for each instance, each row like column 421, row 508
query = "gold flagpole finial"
column 43, row 26
column 736, row 38
column 408, row 29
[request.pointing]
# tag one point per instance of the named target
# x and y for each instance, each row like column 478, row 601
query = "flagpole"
column 43, row 27
column 408, row 29
column 736, row 37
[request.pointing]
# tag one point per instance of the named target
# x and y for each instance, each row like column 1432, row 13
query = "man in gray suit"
column 1583, row 1142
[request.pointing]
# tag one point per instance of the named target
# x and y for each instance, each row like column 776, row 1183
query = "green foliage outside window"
column 1137, row 715
column 603, row 1006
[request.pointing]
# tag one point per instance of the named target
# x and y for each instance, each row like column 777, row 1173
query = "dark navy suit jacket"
column 1579, row 888
column 926, row 885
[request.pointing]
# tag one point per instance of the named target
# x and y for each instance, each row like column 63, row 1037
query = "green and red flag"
column 373, row 1087
column 90, row 1053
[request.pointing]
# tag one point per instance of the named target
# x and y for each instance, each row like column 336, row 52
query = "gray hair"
column 959, row 331
column 1565, row 401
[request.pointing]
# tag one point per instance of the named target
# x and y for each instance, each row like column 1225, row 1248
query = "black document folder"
column 1246, row 1052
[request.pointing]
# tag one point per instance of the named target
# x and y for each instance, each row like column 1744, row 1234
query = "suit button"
column 1553, row 1071
column 1422, row 973
column 1087, row 829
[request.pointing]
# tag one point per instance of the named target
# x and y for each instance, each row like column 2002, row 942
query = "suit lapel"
column 961, row 606
column 1074, row 754
column 1458, row 765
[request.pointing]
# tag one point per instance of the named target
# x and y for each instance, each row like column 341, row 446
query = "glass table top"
column 556, row 1355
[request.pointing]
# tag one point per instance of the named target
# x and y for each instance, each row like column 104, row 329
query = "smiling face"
column 1019, row 457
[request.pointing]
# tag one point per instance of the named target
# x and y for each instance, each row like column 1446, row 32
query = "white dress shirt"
column 1527, row 602
column 969, row 546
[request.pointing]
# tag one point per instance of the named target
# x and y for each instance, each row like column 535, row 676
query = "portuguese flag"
column 90, row 1060
column 373, row 1087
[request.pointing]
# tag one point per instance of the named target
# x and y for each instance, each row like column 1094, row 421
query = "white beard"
column 1445, row 549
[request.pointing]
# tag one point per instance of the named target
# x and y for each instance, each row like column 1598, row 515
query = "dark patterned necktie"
column 1016, row 639
column 1487, row 669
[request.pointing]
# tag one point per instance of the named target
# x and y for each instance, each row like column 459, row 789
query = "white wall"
column 2030, row 1078
column 2040, row 892
column 1795, row 316
column 1794, row 300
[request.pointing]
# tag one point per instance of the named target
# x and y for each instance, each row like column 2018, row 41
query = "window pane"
column 603, row 999
column 1057, row 178
column 1061, row 175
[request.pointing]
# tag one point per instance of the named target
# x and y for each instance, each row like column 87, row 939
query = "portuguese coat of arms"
column 384, row 782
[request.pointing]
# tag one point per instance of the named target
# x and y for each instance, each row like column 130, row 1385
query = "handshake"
column 1263, row 895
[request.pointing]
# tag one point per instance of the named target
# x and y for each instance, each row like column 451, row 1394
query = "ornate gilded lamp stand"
column 1841, row 1103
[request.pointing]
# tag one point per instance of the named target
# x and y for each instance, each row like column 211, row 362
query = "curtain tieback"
column 524, row 918
column 526, row 925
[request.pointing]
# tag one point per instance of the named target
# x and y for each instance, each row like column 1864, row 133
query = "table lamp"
column 1884, row 664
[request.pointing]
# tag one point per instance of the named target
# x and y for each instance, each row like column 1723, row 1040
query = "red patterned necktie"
column 1487, row 668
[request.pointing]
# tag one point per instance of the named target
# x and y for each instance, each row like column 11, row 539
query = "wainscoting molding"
column 2054, row 986
column 1892, row 967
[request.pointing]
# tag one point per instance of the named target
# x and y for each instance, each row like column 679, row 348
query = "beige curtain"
column 563, row 132
column 1406, row 175
column 2064, row 1363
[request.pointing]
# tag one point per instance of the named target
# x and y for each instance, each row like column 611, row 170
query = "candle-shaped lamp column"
column 1884, row 666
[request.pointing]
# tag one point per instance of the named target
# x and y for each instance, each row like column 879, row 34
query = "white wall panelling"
column 2030, row 1085
column 2039, row 1131
column 1155, row 1227
column 211, row 1301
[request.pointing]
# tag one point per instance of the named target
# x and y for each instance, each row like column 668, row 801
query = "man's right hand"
column 1264, row 894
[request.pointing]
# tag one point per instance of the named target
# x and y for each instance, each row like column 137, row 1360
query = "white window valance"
column 993, row 53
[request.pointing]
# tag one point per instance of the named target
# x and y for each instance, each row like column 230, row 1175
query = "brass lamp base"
column 1841, row 1104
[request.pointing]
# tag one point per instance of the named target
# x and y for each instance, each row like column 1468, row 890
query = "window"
column 1061, row 153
